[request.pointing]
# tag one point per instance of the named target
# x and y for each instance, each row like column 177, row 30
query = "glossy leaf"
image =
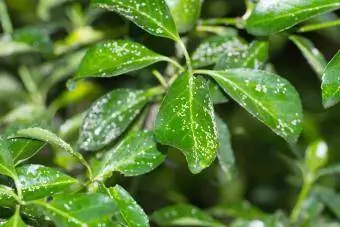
column 309, row 51
column 186, row 121
column 6, row 162
column 254, row 57
column 135, row 155
column 218, row 96
column 208, row 52
column 51, row 138
column 152, row 16
column 15, row 221
column 38, row 181
column 183, row 215
column 331, row 82
column 132, row 213
column 115, row 58
column 78, row 210
column 271, row 16
column 7, row 196
column 268, row 97
column 109, row 117
column 20, row 148
column 225, row 152
column 185, row 13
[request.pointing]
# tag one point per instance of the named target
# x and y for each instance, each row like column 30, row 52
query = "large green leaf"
column 109, row 117
column 184, row 215
column 131, row 212
column 135, row 155
column 54, row 140
column 153, row 16
column 15, row 221
column 272, row 16
column 79, row 210
column 208, row 52
column 38, row 181
column 20, row 148
column 225, row 152
column 185, row 13
column 331, row 82
column 186, row 121
column 7, row 196
column 254, row 57
column 6, row 162
column 268, row 97
column 114, row 58
column 309, row 51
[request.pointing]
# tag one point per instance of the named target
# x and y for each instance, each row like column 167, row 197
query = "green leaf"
column 313, row 55
column 10, row 87
column 21, row 149
column 78, row 210
column 132, row 213
column 254, row 57
column 152, row 16
column 25, row 112
column 331, row 82
column 330, row 170
column 225, row 153
column 268, row 97
column 208, row 52
column 51, row 138
column 38, row 181
column 186, row 121
column 115, row 58
column 271, row 16
column 15, row 221
column 25, row 40
column 183, row 215
column 7, row 196
column 6, row 162
column 185, row 13
column 316, row 156
column 135, row 155
column 218, row 96
column 237, row 210
column 329, row 197
column 110, row 116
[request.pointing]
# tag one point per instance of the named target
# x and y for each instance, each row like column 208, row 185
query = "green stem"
column 5, row 19
column 160, row 78
column 308, row 182
column 175, row 63
column 18, row 187
column 250, row 7
column 218, row 30
column 313, row 27
column 186, row 55
column 30, row 85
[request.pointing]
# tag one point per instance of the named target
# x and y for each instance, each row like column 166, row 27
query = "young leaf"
column 254, row 57
column 313, row 55
column 135, row 155
column 78, row 210
column 6, row 162
column 53, row 139
column 21, row 149
column 152, row 16
column 38, row 181
column 331, row 82
column 183, row 215
column 132, row 213
column 15, row 221
column 109, row 117
column 186, row 121
column 115, row 58
column 271, row 16
column 7, row 196
column 268, row 97
column 185, row 13
column 208, row 52
column 225, row 152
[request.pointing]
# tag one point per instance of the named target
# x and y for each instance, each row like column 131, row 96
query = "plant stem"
column 30, row 85
column 308, row 182
column 219, row 30
column 313, row 27
column 5, row 19
column 186, row 55
column 175, row 63
column 160, row 78
column 18, row 187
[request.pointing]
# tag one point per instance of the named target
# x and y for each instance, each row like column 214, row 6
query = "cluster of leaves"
column 127, row 130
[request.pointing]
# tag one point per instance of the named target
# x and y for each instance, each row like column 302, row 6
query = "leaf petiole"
column 313, row 27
